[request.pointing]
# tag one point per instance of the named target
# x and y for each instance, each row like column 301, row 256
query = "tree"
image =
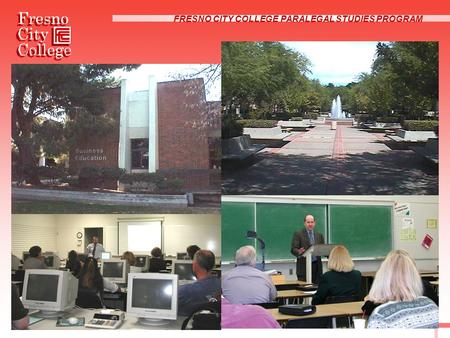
column 51, row 92
column 412, row 71
column 267, row 76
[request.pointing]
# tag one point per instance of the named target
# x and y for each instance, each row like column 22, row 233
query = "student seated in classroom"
column 240, row 316
column 191, row 250
column 398, row 289
column 131, row 259
column 19, row 315
column 342, row 281
column 245, row 284
column 35, row 260
column 73, row 264
column 157, row 262
column 92, row 283
column 205, row 289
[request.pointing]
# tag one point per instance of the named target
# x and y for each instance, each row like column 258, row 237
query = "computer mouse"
column 72, row 320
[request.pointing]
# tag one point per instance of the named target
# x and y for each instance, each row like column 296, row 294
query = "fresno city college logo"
column 43, row 36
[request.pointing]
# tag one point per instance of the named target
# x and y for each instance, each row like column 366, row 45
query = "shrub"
column 51, row 173
column 389, row 119
column 104, row 177
column 297, row 118
column 112, row 173
column 420, row 125
column 129, row 178
column 149, row 182
column 71, row 180
column 312, row 116
column 363, row 118
column 257, row 123
column 90, row 177
column 230, row 127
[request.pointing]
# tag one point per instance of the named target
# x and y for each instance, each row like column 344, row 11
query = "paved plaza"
column 322, row 161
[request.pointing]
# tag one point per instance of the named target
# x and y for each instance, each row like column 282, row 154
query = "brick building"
column 169, row 128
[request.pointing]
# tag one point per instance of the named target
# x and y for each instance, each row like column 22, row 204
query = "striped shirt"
column 420, row 313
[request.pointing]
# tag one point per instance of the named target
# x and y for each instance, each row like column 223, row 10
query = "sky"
column 138, row 78
column 338, row 62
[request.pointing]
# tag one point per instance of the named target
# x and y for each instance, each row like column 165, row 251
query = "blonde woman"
column 398, row 288
column 342, row 280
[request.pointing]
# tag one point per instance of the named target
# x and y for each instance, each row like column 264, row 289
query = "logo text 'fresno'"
column 43, row 36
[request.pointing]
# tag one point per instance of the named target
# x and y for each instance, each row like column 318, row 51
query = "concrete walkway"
column 333, row 162
column 176, row 201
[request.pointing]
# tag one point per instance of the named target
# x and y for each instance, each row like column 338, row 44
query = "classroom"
column 368, row 227
column 149, row 265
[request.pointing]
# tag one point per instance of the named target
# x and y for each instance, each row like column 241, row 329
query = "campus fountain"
column 337, row 115
column 336, row 109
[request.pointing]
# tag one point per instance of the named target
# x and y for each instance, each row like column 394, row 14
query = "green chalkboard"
column 237, row 218
column 364, row 229
column 277, row 222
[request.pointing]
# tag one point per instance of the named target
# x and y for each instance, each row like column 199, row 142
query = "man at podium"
column 301, row 241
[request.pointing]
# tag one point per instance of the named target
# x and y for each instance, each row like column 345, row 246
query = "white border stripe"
column 143, row 18
column 436, row 18
column 225, row 18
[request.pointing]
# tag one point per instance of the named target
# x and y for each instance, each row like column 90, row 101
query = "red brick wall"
column 183, row 125
column 107, row 147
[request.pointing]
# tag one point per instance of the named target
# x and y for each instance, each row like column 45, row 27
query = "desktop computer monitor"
column 183, row 269
column 106, row 255
column 53, row 292
column 143, row 261
column 182, row 255
column 52, row 261
column 116, row 270
column 152, row 297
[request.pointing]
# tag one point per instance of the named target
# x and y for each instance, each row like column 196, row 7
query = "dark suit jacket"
column 300, row 239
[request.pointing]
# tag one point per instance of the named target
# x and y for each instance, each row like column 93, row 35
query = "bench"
column 430, row 152
column 272, row 137
column 295, row 125
column 239, row 148
column 403, row 139
column 384, row 127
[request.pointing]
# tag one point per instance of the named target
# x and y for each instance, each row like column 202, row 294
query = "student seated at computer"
column 91, row 282
column 399, row 289
column 191, row 250
column 205, row 289
column 245, row 284
column 157, row 262
column 19, row 315
column 342, row 281
column 240, row 316
column 131, row 259
column 73, row 264
column 35, row 260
